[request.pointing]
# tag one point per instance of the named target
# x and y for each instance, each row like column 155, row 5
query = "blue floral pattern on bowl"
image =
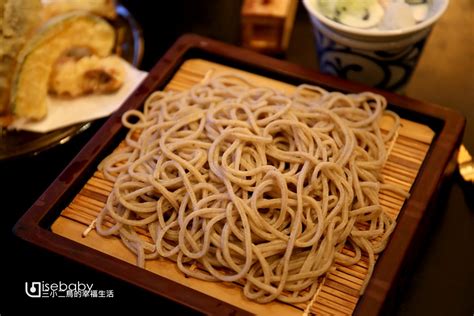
column 389, row 70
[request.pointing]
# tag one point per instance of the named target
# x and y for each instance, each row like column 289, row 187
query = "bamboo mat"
column 339, row 290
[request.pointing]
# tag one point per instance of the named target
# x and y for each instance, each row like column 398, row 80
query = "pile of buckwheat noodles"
column 245, row 184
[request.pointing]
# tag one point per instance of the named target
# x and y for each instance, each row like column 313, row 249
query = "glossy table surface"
column 439, row 283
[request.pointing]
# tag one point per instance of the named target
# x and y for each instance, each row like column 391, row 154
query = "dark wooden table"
column 441, row 282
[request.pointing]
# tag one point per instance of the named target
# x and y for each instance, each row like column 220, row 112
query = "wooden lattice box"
column 427, row 137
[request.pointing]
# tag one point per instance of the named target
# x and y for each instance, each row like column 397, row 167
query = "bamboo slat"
column 339, row 290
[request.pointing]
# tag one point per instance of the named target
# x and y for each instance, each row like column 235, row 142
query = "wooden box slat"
column 339, row 291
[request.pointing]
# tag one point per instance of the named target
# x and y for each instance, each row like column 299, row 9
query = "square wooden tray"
column 418, row 160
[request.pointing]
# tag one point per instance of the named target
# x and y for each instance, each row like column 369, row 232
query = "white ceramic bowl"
column 436, row 9
column 381, row 58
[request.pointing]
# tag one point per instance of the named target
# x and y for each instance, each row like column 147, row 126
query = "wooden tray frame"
column 34, row 225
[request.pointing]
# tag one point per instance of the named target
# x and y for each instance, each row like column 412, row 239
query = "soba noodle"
column 245, row 184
